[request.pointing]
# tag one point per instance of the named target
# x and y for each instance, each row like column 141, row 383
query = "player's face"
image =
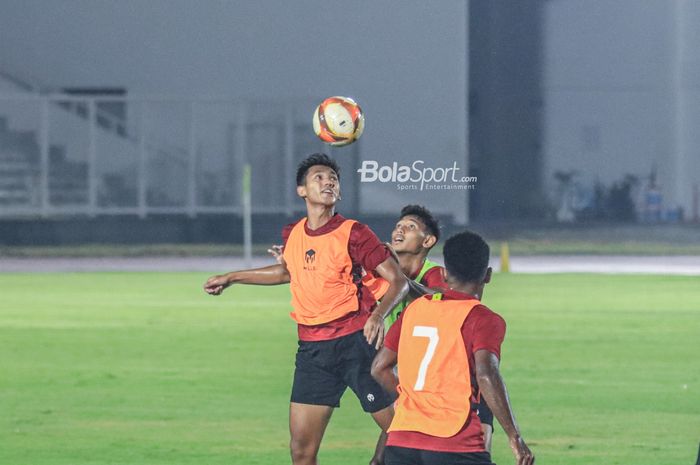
column 322, row 186
column 408, row 235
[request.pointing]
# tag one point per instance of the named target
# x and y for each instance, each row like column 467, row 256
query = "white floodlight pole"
column 92, row 158
column 44, row 162
column 247, row 218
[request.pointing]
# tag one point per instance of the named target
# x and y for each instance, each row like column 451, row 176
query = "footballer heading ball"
column 338, row 121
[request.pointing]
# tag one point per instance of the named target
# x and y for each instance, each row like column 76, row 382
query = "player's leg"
column 307, row 423
column 355, row 370
column 379, row 449
column 383, row 419
column 315, row 392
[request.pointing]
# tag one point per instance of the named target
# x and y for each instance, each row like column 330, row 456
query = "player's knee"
column 303, row 452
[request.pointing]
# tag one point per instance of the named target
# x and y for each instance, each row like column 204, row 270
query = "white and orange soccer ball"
column 338, row 121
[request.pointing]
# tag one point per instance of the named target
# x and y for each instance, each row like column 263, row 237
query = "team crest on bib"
column 309, row 259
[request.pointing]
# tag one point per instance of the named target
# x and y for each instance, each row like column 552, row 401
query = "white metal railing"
column 64, row 155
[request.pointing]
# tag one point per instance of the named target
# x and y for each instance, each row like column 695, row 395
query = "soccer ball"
column 338, row 121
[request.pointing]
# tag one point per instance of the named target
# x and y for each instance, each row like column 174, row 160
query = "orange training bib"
column 321, row 274
column 434, row 378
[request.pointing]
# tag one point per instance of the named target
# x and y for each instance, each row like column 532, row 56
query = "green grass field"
column 127, row 368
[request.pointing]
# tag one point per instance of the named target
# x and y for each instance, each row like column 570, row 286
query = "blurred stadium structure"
column 64, row 154
column 566, row 112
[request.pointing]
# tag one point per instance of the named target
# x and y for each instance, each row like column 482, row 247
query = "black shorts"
column 324, row 369
column 405, row 456
column 484, row 412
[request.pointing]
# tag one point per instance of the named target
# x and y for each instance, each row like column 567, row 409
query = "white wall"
column 617, row 93
column 686, row 164
column 406, row 64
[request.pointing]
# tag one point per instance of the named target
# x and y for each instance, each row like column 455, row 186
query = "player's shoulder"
column 360, row 230
column 434, row 269
column 287, row 229
column 434, row 278
column 356, row 224
column 290, row 226
column 484, row 314
column 339, row 220
column 294, row 223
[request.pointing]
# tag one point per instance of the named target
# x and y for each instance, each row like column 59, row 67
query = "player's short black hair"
column 427, row 218
column 313, row 160
column 466, row 257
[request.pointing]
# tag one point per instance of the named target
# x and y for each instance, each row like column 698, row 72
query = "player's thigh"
column 307, row 423
column 384, row 417
column 315, row 379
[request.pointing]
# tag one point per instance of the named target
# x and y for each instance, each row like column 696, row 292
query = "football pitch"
column 144, row 368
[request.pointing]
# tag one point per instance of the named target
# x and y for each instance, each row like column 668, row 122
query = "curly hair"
column 424, row 215
column 466, row 257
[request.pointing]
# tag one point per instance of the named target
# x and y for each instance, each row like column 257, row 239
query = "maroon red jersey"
column 433, row 279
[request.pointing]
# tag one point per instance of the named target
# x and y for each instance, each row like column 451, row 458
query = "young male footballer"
column 414, row 235
column 416, row 232
column 323, row 260
column 447, row 347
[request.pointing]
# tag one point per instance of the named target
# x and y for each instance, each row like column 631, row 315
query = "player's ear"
column 301, row 191
column 429, row 241
column 487, row 276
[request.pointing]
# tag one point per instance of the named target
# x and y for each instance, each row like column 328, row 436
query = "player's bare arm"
column 265, row 276
column 494, row 391
column 383, row 369
column 398, row 288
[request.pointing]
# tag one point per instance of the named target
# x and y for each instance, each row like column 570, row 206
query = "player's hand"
column 276, row 251
column 523, row 455
column 374, row 330
column 216, row 284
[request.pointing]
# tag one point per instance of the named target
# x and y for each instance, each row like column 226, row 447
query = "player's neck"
column 410, row 263
column 475, row 289
column 318, row 215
